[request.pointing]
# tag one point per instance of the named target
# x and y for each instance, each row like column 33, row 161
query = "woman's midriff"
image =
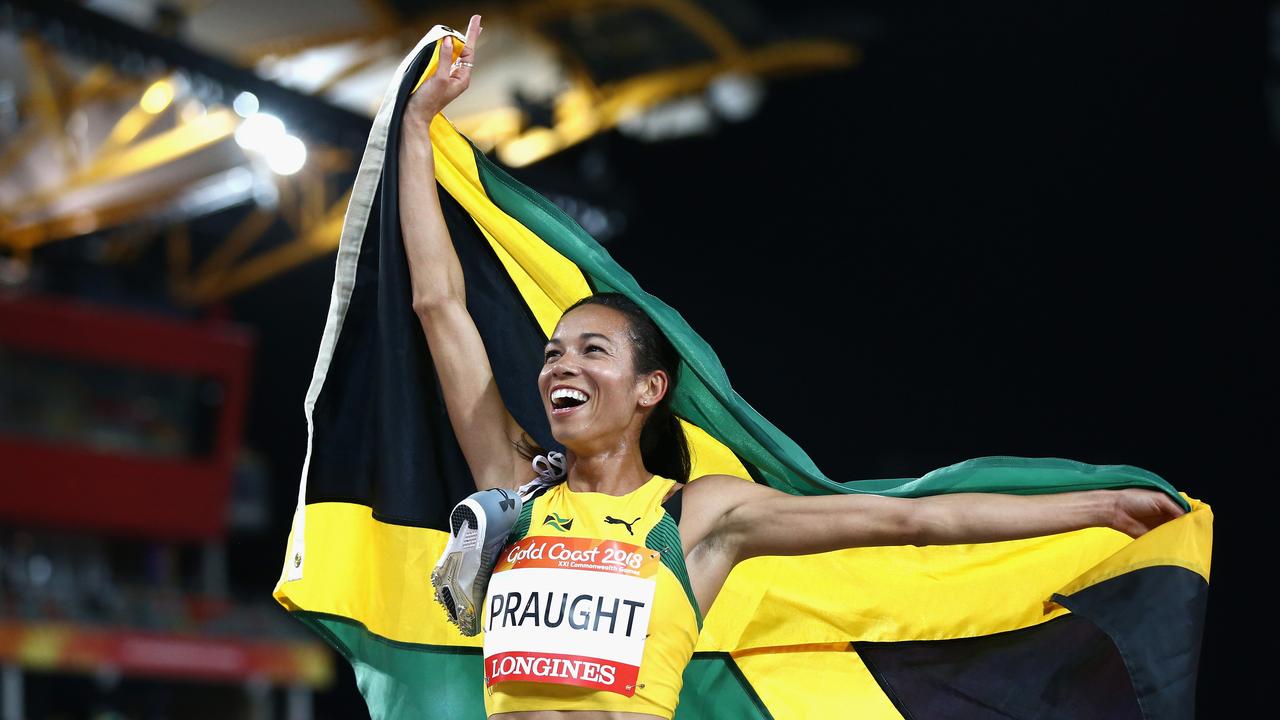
column 574, row 715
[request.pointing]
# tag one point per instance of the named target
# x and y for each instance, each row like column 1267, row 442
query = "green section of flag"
column 406, row 680
column 715, row 688
column 705, row 398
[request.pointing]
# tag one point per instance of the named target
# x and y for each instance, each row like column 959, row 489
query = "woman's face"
column 588, row 381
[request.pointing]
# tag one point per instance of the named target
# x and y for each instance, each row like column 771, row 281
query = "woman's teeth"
column 567, row 397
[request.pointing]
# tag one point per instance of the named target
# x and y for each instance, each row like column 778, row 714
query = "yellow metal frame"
column 305, row 205
column 586, row 109
column 315, row 219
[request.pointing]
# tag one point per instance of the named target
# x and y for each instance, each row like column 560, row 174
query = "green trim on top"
column 521, row 528
column 665, row 538
column 706, row 399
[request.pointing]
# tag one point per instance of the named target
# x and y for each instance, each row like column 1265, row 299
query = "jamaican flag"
column 1077, row 625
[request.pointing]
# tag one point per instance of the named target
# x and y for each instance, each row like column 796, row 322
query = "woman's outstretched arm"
column 752, row 520
column 486, row 432
column 727, row 520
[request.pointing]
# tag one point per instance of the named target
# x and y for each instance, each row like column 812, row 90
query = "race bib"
column 573, row 611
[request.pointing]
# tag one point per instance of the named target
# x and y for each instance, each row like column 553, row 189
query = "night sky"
column 1012, row 230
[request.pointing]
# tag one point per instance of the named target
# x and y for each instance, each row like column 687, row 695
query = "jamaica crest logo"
column 557, row 522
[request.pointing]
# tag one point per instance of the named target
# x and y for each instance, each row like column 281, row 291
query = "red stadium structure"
column 120, row 433
column 124, row 482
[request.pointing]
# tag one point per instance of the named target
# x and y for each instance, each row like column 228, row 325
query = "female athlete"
column 600, row 584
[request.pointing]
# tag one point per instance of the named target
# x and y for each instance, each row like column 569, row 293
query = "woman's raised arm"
column 485, row 430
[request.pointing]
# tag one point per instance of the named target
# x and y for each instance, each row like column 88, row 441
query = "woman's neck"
column 616, row 473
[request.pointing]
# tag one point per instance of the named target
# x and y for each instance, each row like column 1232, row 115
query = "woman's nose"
column 564, row 366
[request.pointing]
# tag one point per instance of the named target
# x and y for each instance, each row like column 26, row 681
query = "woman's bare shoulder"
column 728, row 488
column 709, row 498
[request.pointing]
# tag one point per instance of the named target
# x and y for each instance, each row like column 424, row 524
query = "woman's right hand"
column 449, row 79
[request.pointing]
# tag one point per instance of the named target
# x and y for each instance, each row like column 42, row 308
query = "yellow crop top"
column 590, row 606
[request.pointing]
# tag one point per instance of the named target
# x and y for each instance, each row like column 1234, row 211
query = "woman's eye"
column 549, row 355
column 594, row 347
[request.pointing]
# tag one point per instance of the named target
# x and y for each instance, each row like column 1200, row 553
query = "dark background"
column 1038, row 229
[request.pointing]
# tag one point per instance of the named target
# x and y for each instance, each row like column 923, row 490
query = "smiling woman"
column 603, row 330
column 607, row 381
column 594, row 585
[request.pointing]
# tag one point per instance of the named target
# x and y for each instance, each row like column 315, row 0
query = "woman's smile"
column 565, row 399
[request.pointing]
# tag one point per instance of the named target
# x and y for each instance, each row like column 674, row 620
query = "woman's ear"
column 655, row 388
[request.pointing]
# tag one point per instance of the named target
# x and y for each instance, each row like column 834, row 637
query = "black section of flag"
column 512, row 337
column 1160, row 638
column 380, row 424
column 1064, row 669
column 342, row 460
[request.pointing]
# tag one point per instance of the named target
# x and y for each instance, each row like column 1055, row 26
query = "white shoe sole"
column 463, row 566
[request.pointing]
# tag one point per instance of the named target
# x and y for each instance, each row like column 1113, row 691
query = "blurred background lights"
column 259, row 132
column 191, row 110
column 245, row 104
column 735, row 96
column 287, row 156
column 157, row 97
column 39, row 570
column 265, row 134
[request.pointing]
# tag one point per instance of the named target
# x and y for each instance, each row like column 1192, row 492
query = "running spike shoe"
column 478, row 529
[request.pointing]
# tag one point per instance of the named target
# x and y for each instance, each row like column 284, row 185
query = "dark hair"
column 663, row 447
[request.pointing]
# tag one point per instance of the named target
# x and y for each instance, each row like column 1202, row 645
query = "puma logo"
column 616, row 521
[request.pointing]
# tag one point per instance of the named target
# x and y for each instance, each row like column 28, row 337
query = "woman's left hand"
column 1138, row 511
